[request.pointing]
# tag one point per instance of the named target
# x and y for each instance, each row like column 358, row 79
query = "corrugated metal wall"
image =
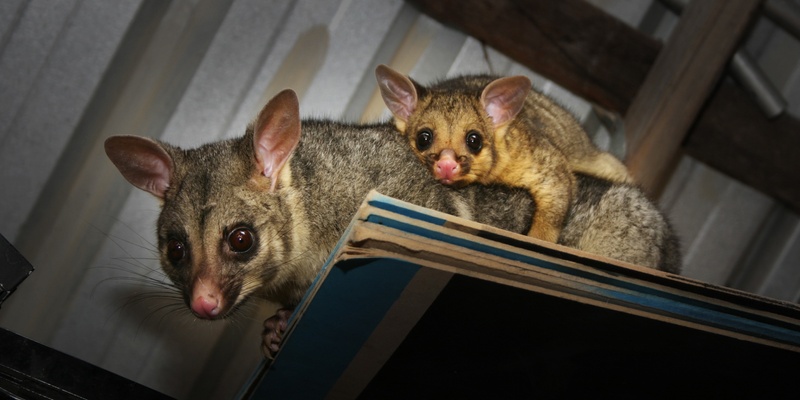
column 74, row 72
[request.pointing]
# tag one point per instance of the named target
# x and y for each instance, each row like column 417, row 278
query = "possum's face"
column 224, row 232
column 216, row 232
column 453, row 137
column 453, row 126
column 221, row 232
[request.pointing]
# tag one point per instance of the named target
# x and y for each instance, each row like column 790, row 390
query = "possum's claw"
column 274, row 327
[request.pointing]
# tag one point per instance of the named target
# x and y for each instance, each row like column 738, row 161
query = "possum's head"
column 452, row 129
column 220, row 231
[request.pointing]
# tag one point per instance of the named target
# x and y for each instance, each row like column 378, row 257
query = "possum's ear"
column 398, row 92
column 276, row 134
column 503, row 98
column 142, row 161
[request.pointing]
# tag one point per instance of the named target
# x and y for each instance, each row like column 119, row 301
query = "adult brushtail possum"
column 496, row 130
column 258, row 215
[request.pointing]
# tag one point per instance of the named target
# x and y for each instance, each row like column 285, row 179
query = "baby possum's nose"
column 446, row 169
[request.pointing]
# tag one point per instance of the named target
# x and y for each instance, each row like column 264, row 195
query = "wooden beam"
column 679, row 84
column 768, row 169
column 569, row 41
column 733, row 136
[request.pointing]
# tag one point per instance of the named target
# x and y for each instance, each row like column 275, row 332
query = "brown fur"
column 527, row 140
column 297, row 194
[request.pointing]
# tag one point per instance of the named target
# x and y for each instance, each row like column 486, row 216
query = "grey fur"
column 332, row 169
column 619, row 222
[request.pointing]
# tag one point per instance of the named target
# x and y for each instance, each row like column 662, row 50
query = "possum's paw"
column 274, row 327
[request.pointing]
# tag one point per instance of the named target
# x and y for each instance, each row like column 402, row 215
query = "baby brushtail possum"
column 496, row 130
column 259, row 214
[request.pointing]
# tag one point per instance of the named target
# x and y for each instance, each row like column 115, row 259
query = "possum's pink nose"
column 446, row 169
column 205, row 307
column 207, row 299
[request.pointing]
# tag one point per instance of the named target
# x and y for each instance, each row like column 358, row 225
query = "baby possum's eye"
column 424, row 139
column 176, row 251
column 241, row 240
column 474, row 141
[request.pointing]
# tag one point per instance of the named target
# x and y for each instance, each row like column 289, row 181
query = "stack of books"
column 414, row 303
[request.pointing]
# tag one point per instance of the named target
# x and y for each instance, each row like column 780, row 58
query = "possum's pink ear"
column 276, row 134
column 142, row 161
column 398, row 92
column 503, row 98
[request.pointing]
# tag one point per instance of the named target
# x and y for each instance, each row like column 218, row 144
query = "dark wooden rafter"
column 572, row 43
column 680, row 83
column 605, row 61
column 734, row 137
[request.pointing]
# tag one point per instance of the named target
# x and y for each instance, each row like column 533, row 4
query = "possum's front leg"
column 274, row 328
column 552, row 186
column 550, row 215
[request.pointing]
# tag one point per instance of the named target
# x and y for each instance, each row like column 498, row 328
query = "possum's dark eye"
column 176, row 251
column 240, row 240
column 474, row 141
column 424, row 139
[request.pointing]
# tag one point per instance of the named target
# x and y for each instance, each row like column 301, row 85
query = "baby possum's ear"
column 142, row 161
column 276, row 134
column 398, row 92
column 503, row 98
